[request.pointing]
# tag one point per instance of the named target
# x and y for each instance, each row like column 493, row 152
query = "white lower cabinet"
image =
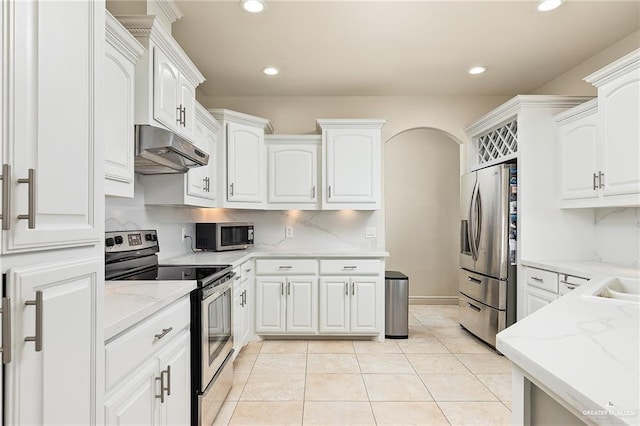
column 243, row 306
column 148, row 371
column 287, row 304
column 543, row 287
column 348, row 305
column 52, row 377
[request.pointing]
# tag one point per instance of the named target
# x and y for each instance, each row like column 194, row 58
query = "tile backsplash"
column 617, row 236
column 339, row 230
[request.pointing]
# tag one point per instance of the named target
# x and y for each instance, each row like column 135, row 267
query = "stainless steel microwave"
column 224, row 236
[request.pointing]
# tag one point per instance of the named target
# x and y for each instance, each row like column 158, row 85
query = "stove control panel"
column 123, row 241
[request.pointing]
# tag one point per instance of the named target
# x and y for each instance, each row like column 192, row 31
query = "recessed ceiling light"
column 271, row 71
column 477, row 70
column 547, row 5
column 253, row 6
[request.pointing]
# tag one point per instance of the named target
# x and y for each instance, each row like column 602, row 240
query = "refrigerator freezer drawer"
column 489, row 291
column 481, row 320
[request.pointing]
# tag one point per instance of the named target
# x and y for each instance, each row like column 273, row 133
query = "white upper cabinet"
column 578, row 139
column 197, row 187
column 122, row 53
column 352, row 171
column 292, row 168
column 243, row 178
column 53, row 140
column 619, row 131
column 166, row 79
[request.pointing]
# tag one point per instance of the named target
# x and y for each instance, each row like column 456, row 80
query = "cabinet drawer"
column 350, row 266
column 540, row 278
column 125, row 353
column 286, row 266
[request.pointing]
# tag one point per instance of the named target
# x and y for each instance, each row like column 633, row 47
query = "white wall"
column 339, row 230
column 422, row 180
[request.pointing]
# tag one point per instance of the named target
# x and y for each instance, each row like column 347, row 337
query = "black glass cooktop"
column 203, row 274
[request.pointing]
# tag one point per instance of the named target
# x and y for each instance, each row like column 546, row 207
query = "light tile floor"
column 441, row 375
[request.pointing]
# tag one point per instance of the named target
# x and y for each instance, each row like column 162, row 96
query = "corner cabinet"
column 243, row 181
column 122, row 52
column 53, row 375
column 166, row 79
column 197, row 187
column 53, row 172
column 292, row 171
column 352, row 172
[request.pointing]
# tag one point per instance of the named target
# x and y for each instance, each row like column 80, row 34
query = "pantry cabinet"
column 352, row 169
column 606, row 171
column 166, row 79
column 55, row 336
column 52, row 174
column 292, row 171
column 122, row 52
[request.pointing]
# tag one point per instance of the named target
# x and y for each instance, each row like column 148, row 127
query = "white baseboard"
column 433, row 300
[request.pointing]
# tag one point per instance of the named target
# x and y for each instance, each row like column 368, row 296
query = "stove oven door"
column 216, row 338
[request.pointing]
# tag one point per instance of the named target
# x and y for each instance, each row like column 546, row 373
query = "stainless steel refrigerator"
column 488, row 235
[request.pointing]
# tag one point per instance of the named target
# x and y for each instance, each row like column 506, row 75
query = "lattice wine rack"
column 498, row 143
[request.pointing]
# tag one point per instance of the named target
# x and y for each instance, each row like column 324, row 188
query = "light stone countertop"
column 126, row 303
column 236, row 257
column 584, row 349
column 584, row 268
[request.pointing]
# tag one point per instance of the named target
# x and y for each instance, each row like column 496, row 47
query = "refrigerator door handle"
column 470, row 228
column 478, row 221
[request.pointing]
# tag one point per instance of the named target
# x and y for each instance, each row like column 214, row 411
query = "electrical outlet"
column 370, row 232
column 288, row 231
column 184, row 233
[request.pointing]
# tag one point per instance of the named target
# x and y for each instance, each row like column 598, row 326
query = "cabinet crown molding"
column 149, row 29
column 222, row 114
column 121, row 39
column 612, row 71
column 207, row 119
column 577, row 112
column 170, row 9
column 508, row 110
column 293, row 138
column 341, row 123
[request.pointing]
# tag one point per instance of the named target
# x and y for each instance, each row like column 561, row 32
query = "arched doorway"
column 422, row 192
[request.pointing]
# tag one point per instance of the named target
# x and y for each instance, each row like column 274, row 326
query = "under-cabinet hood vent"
column 159, row 151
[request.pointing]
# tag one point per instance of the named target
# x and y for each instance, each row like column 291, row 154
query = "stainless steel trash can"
column 396, row 307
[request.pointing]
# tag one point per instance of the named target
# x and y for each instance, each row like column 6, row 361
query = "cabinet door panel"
column 56, row 129
column 135, row 403
column 166, row 79
column 353, row 166
column 536, row 299
column 292, row 174
column 270, row 305
column 363, row 305
column 302, row 305
column 334, row 305
column 578, row 156
column 619, row 102
column 187, row 100
column 244, row 163
column 69, row 343
column 176, row 409
column 196, row 176
column 119, row 77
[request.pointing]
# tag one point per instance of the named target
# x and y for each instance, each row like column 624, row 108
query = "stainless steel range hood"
column 159, row 151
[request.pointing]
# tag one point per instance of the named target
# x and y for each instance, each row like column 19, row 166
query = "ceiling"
column 360, row 48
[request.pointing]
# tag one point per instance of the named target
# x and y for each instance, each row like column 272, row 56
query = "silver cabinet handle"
column 285, row 267
column 288, row 287
column 353, row 289
column 313, row 192
column 282, row 288
column 350, row 268
column 329, row 192
column 540, row 280
column 204, row 184
column 244, row 297
column 231, row 189
column 600, row 179
column 161, row 379
column 248, row 270
column 38, row 337
column 6, row 196
column 346, row 288
column 168, row 388
column 595, row 178
column 31, row 215
column 179, row 111
column 474, row 280
column 165, row 331
column 570, row 286
column 184, row 116
column 5, row 313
